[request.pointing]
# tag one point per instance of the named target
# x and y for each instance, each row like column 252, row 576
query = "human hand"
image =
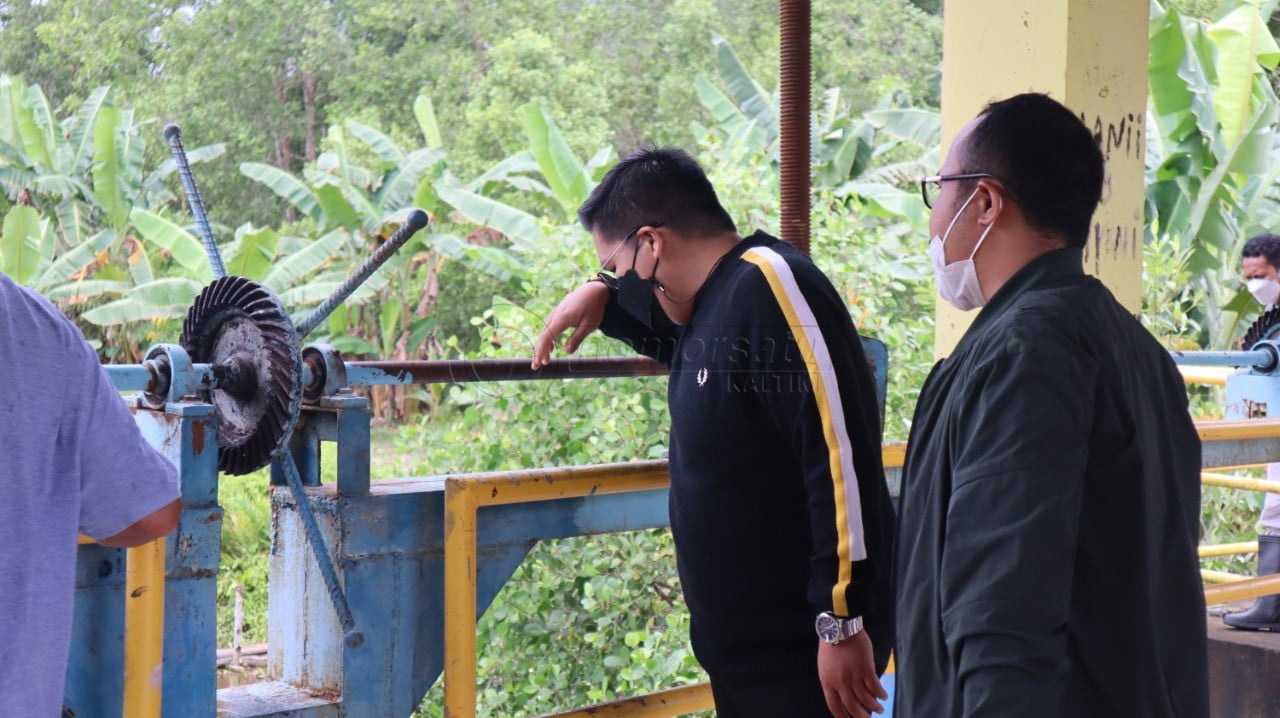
column 848, row 674
column 582, row 309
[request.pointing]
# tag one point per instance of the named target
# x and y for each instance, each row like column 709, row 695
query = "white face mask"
column 1266, row 291
column 958, row 281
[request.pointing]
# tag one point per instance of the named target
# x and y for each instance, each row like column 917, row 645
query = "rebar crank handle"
column 416, row 220
column 173, row 134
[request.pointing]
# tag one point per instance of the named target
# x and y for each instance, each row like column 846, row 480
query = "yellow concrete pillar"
column 1091, row 55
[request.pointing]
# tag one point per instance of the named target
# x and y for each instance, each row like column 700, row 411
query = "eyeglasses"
column 607, row 275
column 931, row 186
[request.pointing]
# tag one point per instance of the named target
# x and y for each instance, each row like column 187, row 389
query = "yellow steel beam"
column 1229, row 429
column 1235, row 482
column 1227, row 549
column 1091, row 56
column 1211, row 576
column 144, row 629
column 513, row 487
column 1241, row 590
column 894, row 454
column 1205, row 374
column 459, row 600
column 661, row 704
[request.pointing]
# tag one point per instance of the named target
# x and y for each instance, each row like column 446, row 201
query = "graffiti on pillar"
column 1124, row 136
column 1122, row 139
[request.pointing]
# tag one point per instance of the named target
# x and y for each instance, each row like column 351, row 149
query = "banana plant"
column 81, row 199
column 1213, row 157
column 850, row 154
column 287, row 265
column 86, row 169
column 365, row 180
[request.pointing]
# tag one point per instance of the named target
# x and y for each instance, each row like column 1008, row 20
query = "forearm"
column 656, row 342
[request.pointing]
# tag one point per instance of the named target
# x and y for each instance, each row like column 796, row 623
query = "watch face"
column 828, row 628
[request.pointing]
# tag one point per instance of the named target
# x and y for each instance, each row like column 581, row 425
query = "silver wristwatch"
column 833, row 629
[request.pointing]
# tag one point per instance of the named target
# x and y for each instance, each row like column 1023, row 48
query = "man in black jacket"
column 1046, row 565
column 778, row 502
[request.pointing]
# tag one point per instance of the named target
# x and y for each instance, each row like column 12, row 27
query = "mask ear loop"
column 663, row 289
column 956, row 218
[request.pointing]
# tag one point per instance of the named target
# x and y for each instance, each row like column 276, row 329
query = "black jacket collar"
column 1048, row 269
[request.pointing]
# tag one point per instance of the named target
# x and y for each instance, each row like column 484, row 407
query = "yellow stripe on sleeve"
column 851, row 544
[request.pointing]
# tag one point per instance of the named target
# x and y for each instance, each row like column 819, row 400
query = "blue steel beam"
column 1260, row 358
column 185, row 433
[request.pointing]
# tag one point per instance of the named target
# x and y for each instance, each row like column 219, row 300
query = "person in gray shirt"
column 71, row 461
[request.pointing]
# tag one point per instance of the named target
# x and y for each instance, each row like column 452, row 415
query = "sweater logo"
column 702, row 376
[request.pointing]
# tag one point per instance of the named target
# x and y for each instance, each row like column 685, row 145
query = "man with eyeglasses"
column 1046, row 560
column 778, row 503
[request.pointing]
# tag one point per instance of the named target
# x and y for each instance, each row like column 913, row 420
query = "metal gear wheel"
column 243, row 330
column 1266, row 326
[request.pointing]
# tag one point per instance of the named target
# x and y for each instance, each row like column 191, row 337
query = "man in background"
column 1260, row 258
column 71, row 461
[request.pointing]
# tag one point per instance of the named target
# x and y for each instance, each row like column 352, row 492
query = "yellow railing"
column 143, row 628
column 1234, row 587
column 1205, row 374
column 465, row 494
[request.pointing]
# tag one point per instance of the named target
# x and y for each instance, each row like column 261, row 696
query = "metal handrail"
column 465, row 494
column 1216, row 375
column 463, row 497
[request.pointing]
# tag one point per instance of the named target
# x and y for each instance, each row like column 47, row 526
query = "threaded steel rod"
column 174, row 134
column 417, row 220
column 793, row 131
column 351, row 636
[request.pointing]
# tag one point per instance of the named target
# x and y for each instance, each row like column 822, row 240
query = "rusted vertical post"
column 794, row 121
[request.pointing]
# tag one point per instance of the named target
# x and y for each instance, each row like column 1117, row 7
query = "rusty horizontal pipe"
column 456, row 371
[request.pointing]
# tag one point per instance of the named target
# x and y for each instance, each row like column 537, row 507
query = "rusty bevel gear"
column 243, row 330
column 1266, row 326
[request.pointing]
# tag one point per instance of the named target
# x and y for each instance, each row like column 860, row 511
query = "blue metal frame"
column 386, row 540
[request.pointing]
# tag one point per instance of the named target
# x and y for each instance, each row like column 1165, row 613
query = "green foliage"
column 20, row 254
column 583, row 620
column 82, row 198
column 246, row 542
column 616, row 72
column 1212, row 157
column 859, row 156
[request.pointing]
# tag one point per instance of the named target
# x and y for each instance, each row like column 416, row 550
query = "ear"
column 657, row 237
column 992, row 201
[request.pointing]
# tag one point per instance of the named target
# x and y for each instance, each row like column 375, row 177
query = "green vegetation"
column 319, row 124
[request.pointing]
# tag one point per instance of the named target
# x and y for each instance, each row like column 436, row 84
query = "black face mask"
column 635, row 295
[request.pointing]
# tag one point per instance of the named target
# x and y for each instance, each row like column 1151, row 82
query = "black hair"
column 1266, row 246
column 652, row 186
column 1047, row 159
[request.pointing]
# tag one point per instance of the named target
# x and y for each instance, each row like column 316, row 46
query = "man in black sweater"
column 778, row 502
